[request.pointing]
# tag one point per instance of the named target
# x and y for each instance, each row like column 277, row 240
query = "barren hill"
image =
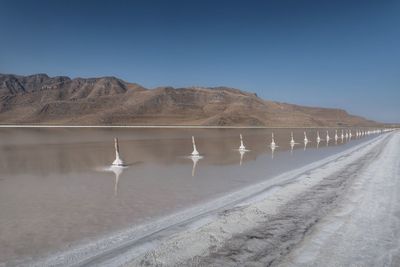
column 39, row 99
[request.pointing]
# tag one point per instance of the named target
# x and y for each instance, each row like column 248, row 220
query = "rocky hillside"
column 39, row 99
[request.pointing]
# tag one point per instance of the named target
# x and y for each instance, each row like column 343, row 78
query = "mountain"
column 40, row 99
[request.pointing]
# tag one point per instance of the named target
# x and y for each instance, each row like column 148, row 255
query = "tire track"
column 270, row 241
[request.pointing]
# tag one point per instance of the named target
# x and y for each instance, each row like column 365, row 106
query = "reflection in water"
column 195, row 159
column 50, row 177
column 327, row 138
column 305, row 141
column 242, row 149
column 117, row 170
column 292, row 143
column 318, row 139
column 76, row 151
column 291, row 147
column 272, row 151
column 242, row 152
column 305, row 138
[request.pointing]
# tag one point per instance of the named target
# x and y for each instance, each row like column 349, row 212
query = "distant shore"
column 180, row 126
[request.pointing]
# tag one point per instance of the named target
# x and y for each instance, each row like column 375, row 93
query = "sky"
column 341, row 54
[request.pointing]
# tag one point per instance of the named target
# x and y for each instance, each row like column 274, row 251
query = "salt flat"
column 364, row 229
column 340, row 212
column 163, row 211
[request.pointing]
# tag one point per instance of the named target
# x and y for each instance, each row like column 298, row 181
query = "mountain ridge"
column 60, row 100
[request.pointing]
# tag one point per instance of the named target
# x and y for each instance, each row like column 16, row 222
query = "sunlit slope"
column 39, row 99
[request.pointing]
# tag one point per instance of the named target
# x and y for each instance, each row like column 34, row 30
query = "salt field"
column 59, row 191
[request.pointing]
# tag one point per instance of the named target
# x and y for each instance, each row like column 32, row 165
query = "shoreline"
column 139, row 239
column 264, row 231
column 185, row 127
column 240, row 228
column 363, row 227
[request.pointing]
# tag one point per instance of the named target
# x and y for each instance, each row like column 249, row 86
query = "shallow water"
column 57, row 188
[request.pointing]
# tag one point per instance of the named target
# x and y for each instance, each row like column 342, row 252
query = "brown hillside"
column 39, row 99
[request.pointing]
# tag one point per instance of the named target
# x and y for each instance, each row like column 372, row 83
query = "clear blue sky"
column 320, row 53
